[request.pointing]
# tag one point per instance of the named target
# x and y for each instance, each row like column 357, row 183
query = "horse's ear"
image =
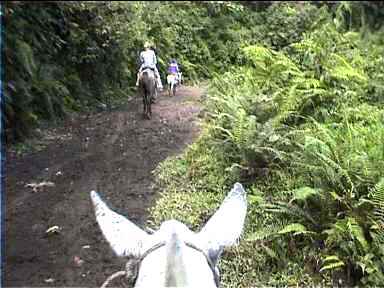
column 226, row 225
column 125, row 238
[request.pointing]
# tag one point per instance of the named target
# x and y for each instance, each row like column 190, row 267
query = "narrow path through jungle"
column 111, row 152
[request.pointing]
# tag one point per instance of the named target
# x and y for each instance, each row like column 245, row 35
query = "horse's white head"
column 174, row 256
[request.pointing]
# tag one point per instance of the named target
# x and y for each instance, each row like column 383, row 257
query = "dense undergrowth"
column 302, row 126
column 66, row 57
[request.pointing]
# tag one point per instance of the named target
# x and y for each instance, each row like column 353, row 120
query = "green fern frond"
column 315, row 145
column 296, row 229
column 341, row 69
column 333, row 263
column 290, row 210
column 345, row 230
column 26, row 57
column 377, row 197
column 304, row 193
column 226, row 131
column 357, row 233
column 262, row 149
column 266, row 232
column 255, row 53
column 270, row 252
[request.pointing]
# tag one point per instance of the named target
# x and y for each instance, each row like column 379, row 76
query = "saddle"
column 172, row 78
column 148, row 68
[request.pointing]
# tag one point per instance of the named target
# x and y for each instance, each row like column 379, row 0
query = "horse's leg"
column 154, row 92
column 149, row 109
column 150, row 99
column 144, row 103
column 147, row 104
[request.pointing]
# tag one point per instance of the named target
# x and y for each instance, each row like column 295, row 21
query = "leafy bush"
column 51, row 69
column 79, row 53
column 302, row 127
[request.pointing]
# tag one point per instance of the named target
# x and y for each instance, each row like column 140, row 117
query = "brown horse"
column 148, row 86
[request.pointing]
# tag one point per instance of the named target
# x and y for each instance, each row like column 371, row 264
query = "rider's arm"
column 154, row 58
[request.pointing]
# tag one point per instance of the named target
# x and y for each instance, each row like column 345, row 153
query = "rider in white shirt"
column 148, row 59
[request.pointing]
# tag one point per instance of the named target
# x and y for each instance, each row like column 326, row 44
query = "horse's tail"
column 148, row 76
column 148, row 83
column 144, row 76
column 144, row 80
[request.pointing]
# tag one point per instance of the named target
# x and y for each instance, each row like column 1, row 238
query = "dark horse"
column 149, row 90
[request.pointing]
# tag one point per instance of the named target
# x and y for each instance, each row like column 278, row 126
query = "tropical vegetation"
column 294, row 111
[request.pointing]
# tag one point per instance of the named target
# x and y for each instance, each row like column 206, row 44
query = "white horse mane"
column 174, row 256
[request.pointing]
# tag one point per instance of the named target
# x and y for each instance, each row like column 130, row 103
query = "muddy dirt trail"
column 110, row 152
